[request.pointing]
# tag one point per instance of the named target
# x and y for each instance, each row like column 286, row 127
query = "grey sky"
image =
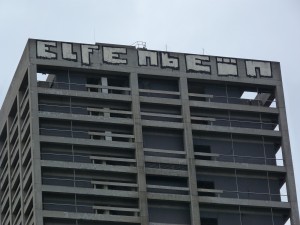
column 259, row 29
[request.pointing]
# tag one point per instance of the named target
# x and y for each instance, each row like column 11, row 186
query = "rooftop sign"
column 147, row 58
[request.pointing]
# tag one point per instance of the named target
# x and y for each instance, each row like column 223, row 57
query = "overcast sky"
column 258, row 29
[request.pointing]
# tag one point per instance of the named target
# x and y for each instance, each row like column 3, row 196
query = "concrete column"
column 104, row 83
column 287, row 156
column 20, row 157
column 139, row 152
column 35, row 145
column 188, row 146
column 9, row 149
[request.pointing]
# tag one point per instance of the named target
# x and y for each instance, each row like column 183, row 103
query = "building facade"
column 118, row 135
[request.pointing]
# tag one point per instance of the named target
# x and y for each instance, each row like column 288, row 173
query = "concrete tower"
column 118, row 135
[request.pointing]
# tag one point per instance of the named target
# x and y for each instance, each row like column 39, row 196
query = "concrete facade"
column 111, row 134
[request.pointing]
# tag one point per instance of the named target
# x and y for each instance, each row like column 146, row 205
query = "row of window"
column 158, row 87
column 162, row 212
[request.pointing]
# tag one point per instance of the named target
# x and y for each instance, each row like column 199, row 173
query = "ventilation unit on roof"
column 140, row 44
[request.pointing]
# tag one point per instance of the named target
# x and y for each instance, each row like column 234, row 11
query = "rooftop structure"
column 118, row 135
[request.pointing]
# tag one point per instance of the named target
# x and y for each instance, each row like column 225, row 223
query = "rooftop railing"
column 89, row 183
column 85, row 134
column 232, row 100
column 91, row 111
column 161, row 117
column 167, row 189
column 239, row 158
column 242, row 195
column 85, row 87
column 165, row 153
column 159, row 93
column 94, row 209
column 235, row 123
column 89, row 159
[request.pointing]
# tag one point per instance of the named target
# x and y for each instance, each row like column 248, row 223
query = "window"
column 209, row 221
column 206, row 185
column 202, row 149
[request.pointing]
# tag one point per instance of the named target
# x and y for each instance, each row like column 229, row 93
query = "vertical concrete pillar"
column 9, row 149
column 188, row 146
column 35, row 145
column 20, row 156
column 287, row 156
column 139, row 152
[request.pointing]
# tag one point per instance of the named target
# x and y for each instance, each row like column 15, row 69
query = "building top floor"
column 168, row 67
column 141, row 60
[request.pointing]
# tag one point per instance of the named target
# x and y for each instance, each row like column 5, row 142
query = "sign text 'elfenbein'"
column 118, row 56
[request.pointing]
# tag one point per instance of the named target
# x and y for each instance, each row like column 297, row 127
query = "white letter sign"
column 86, row 51
column 67, row 52
column 194, row 63
column 112, row 55
column 227, row 67
column 147, row 56
column 43, row 49
column 255, row 68
column 169, row 62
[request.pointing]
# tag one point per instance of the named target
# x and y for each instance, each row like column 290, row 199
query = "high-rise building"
column 119, row 135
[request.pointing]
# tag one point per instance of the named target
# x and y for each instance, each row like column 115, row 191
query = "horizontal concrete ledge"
column 83, row 94
column 157, row 159
column 176, row 93
column 244, row 202
column 166, row 172
column 87, row 118
column 122, row 209
column 165, row 224
column 164, row 101
column 162, row 124
column 162, row 187
column 241, row 166
column 106, row 87
column 175, row 152
column 238, row 80
column 168, row 197
column 88, row 166
column 90, row 191
column 236, row 107
column 236, row 130
column 115, row 184
column 112, row 159
column 87, row 142
column 89, row 216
